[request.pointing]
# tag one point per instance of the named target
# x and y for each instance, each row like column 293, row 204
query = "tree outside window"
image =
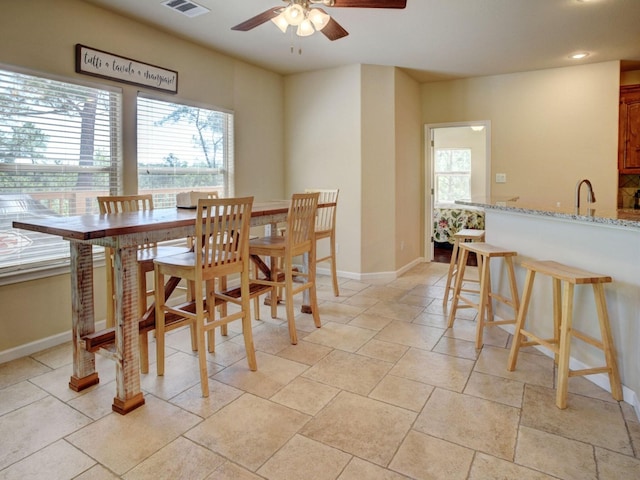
column 452, row 172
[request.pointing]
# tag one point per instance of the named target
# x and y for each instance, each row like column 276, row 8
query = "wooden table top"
column 93, row 226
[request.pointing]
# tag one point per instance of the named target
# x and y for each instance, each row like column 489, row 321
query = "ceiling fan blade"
column 258, row 19
column 333, row 30
column 370, row 3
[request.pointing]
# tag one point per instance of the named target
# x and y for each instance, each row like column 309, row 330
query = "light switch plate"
column 501, row 178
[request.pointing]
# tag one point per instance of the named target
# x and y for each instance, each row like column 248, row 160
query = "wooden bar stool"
column 464, row 235
column 564, row 279
column 484, row 252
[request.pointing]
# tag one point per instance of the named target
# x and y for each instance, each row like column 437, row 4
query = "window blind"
column 183, row 148
column 60, row 147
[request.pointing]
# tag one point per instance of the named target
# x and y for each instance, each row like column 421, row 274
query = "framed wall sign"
column 90, row 61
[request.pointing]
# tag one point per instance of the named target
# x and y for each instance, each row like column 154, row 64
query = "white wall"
column 549, row 128
column 41, row 35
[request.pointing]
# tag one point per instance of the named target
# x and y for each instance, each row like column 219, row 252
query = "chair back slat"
column 222, row 232
column 125, row 203
column 326, row 218
column 301, row 220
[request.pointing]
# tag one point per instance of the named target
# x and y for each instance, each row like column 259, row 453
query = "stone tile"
column 371, row 322
column 472, row 422
column 485, row 467
column 416, row 300
column 231, row 471
column 96, row 402
column 614, row 466
column 249, row 430
column 305, row 352
column 384, row 293
column 18, row 395
column 457, row 348
column 179, row 459
column 97, row 472
column 498, row 389
column 56, row 382
column 35, row 426
column 55, row 357
column 361, row 426
column 273, row 373
column 120, row 442
column 359, row 469
column 395, row 311
column 267, row 338
column 582, row 386
column 628, row 412
column 360, row 300
column 585, row 419
column 434, row 292
column 354, row 285
column 634, row 433
column 343, row 337
column 301, row 454
column 434, row 369
column 347, row 371
column 339, row 312
column 402, row 392
column 305, row 395
column 220, row 395
column 46, row 463
column 181, row 372
column 410, row 334
column 432, row 320
column 466, row 330
column 389, row 352
column 19, row 370
column 424, row 457
column 530, row 368
column 538, row 450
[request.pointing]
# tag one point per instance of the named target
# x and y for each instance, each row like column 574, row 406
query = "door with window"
column 458, row 169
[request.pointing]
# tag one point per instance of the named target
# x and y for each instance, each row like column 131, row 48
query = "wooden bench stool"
column 464, row 235
column 484, row 252
column 564, row 279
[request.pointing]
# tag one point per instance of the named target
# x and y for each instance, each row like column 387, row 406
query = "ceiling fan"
column 308, row 17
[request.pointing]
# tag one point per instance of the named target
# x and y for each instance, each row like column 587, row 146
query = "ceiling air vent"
column 186, row 7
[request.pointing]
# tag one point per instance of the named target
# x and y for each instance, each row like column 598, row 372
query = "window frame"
column 453, row 173
column 36, row 269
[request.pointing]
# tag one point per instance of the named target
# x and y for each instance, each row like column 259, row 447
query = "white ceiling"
column 433, row 39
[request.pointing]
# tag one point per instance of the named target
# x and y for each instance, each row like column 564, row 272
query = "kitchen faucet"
column 591, row 197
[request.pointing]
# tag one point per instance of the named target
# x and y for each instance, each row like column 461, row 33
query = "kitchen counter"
column 622, row 217
column 604, row 242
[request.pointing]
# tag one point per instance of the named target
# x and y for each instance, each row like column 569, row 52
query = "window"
column 59, row 149
column 182, row 148
column 452, row 172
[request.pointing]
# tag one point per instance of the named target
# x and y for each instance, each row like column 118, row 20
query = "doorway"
column 458, row 167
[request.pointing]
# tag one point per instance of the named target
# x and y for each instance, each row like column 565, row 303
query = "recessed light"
column 579, row 55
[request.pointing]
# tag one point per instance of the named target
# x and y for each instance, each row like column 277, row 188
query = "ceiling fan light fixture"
column 281, row 22
column 294, row 14
column 318, row 18
column 305, row 28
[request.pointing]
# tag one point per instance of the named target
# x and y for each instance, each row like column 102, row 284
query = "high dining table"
column 122, row 232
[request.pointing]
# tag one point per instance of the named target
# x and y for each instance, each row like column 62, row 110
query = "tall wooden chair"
column 326, row 228
column 222, row 249
column 298, row 239
column 115, row 204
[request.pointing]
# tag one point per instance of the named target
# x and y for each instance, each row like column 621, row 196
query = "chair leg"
column 210, row 317
column 200, row 333
column 334, row 272
column 159, row 300
column 462, row 261
column 451, row 272
column 111, row 313
column 246, row 322
column 484, row 308
column 607, row 341
column 288, row 282
column 274, row 291
column 564, row 347
column 520, row 320
column 313, row 294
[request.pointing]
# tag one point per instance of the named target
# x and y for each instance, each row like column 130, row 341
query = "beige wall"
column 358, row 128
column 550, row 128
column 41, row 35
column 409, row 211
column 323, row 148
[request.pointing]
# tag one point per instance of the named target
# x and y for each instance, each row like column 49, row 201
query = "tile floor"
column 382, row 391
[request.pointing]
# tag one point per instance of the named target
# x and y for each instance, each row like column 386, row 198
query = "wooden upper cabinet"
column 629, row 130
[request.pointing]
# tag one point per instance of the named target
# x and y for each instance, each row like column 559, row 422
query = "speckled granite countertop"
column 623, row 217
